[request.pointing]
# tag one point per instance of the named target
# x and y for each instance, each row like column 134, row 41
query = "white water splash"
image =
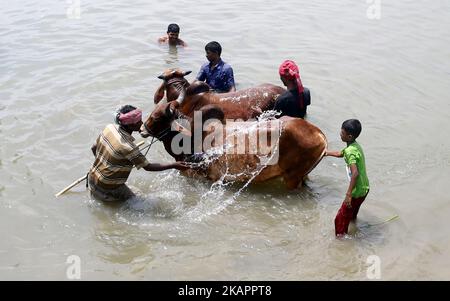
column 212, row 201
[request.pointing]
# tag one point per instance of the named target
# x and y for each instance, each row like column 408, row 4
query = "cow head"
column 174, row 86
column 159, row 121
column 177, row 87
column 162, row 122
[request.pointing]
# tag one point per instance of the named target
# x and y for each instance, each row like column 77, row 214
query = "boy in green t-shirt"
column 356, row 168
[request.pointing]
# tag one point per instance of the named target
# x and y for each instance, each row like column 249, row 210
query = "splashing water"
column 215, row 200
column 268, row 115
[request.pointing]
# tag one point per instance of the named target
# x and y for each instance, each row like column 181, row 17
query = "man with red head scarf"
column 294, row 101
column 115, row 156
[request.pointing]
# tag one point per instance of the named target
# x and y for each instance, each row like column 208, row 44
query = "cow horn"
column 181, row 96
column 187, row 72
column 170, row 110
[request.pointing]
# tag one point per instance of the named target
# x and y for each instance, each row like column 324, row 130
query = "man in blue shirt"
column 218, row 74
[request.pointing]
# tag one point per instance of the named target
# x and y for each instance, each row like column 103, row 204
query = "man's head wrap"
column 289, row 70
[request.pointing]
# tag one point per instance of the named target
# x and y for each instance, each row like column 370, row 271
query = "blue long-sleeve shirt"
column 220, row 78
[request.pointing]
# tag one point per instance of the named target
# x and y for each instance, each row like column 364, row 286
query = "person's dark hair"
column 123, row 110
column 352, row 127
column 214, row 47
column 173, row 28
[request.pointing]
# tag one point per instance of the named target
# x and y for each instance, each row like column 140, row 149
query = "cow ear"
column 187, row 72
column 162, row 77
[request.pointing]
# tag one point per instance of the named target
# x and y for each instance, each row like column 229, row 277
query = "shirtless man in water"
column 173, row 31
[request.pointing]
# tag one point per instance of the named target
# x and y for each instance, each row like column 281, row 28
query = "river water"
column 63, row 74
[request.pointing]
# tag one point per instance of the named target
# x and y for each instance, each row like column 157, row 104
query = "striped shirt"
column 116, row 154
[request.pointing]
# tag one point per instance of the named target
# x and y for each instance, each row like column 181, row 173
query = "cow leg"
column 291, row 182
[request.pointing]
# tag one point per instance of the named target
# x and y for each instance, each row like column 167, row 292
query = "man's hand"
column 159, row 94
column 181, row 165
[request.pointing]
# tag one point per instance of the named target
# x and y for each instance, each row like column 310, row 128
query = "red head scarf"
column 131, row 117
column 289, row 70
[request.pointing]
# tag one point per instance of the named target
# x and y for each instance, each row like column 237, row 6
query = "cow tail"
column 322, row 154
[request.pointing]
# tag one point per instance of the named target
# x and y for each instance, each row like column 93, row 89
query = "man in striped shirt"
column 115, row 155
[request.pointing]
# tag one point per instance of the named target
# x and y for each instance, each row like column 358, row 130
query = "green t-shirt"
column 353, row 154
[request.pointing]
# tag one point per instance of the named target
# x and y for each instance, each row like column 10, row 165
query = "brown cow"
column 244, row 104
column 294, row 146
